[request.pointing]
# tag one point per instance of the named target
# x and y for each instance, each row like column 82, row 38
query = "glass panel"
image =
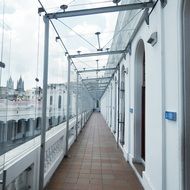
column 20, row 80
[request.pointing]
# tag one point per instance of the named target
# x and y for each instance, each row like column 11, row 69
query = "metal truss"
column 97, row 54
column 84, row 12
column 96, row 70
column 97, row 79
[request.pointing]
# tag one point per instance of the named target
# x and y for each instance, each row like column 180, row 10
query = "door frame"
column 138, row 83
column 185, row 14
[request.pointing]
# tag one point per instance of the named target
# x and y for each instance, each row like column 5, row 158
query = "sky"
column 24, row 37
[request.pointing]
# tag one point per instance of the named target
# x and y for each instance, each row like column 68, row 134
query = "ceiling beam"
column 97, row 54
column 97, row 79
column 95, row 89
column 109, row 9
column 95, row 83
column 96, row 70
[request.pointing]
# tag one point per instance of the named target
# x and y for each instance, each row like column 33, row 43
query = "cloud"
column 9, row 9
column 85, row 28
column 22, row 22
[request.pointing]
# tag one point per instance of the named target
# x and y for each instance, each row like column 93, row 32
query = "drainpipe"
column 77, row 105
column 163, row 98
column 111, row 108
column 115, row 110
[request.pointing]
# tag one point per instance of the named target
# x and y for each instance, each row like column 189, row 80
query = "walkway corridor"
column 94, row 163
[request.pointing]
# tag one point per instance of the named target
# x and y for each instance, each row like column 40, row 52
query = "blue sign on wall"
column 171, row 115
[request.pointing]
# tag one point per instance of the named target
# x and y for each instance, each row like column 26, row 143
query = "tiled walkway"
column 94, row 163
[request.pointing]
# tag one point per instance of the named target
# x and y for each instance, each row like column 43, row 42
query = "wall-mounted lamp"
column 153, row 39
column 57, row 38
column 2, row 65
column 40, row 10
column 126, row 71
column 36, row 79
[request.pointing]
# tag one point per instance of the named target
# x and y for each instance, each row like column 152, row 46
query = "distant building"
column 10, row 83
column 20, row 87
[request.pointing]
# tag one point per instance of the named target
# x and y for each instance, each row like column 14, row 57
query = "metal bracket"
column 163, row 3
column 147, row 20
column 129, row 49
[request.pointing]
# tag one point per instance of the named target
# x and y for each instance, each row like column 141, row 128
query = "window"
column 51, row 100
column 59, row 102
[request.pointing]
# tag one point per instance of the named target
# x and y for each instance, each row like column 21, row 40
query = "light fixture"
column 98, row 37
column 116, row 1
column 40, row 10
column 64, row 7
column 57, row 38
column 36, row 79
column 153, row 39
column 2, row 65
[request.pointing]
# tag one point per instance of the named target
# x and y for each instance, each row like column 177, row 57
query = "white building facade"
column 152, row 94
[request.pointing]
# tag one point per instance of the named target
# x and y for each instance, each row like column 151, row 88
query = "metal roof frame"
column 96, row 79
column 97, row 54
column 100, row 10
column 96, row 70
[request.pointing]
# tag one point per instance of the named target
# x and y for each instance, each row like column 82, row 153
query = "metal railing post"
column 44, row 104
column 77, row 105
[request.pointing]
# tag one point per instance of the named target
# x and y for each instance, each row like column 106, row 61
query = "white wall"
column 163, row 93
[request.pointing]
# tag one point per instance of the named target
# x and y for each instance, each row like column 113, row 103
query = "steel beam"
column 95, row 90
column 94, row 87
column 95, row 83
column 98, row 54
column 96, row 70
column 99, row 86
column 84, row 12
column 44, row 104
column 101, row 78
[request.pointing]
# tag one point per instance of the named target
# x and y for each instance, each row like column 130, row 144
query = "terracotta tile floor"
column 94, row 163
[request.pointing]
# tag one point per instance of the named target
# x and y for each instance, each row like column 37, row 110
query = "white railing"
column 21, row 165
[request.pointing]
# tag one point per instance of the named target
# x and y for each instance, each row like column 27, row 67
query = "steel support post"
column 118, row 96
column 68, row 103
column 111, row 108
column 77, row 105
column 3, row 180
column 44, row 104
